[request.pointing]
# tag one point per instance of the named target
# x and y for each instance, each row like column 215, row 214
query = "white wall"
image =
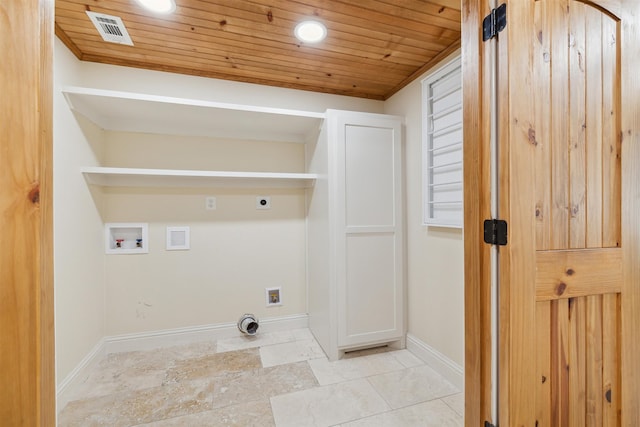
column 160, row 83
column 236, row 251
column 78, row 252
column 435, row 256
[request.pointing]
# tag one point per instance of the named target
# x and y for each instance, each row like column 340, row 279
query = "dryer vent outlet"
column 248, row 324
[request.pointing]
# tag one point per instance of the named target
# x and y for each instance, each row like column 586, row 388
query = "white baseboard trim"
column 438, row 361
column 79, row 373
column 156, row 339
column 144, row 341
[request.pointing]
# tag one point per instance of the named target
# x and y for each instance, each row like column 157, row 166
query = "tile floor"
column 272, row 379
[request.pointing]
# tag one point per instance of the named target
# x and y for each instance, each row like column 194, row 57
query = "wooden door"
column 27, row 384
column 569, row 162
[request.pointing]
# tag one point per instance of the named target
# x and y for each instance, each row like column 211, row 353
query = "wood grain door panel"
column 569, row 302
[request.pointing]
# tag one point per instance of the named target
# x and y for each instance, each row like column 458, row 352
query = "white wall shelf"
column 132, row 177
column 145, row 113
column 137, row 112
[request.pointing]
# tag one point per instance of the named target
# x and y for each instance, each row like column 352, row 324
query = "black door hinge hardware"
column 495, row 232
column 494, row 22
column 488, row 424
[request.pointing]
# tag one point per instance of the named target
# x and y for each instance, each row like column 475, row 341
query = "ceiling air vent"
column 111, row 28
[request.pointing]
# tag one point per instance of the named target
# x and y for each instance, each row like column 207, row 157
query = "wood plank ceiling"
column 373, row 48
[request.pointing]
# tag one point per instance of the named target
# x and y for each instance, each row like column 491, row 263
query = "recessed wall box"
column 178, row 239
column 126, row 238
column 273, row 296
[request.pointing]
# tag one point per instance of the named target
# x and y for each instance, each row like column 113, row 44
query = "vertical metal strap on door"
column 495, row 260
column 492, row 25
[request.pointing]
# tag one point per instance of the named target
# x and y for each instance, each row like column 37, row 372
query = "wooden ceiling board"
column 232, row 42
column 145, row 31
column 306, row 65
column 373, row 48
column 257, row 32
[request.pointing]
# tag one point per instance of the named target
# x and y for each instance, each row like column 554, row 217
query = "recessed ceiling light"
column 310, row 31
column 159, row 6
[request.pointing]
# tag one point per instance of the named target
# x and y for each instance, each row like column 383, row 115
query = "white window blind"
column 442, row 146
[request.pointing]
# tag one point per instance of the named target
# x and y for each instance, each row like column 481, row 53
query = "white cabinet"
column 145, row 113
column 355, row 233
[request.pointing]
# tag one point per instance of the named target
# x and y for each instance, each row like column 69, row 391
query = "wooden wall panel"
column 559, row 23
column 577, row 362
column 594, row 389
column 475, row 349
column 587, row 325
column 517, row 206
column 611, row 150
column 593, row 128
column 27, row 394
column 611, row 360
column 571, row 273
column 583, row 170
column 483, row 196
column 630, row 226
column 541, row 136
column 560, row 362
column 577, row 126
column 543, row 363
column 580, row 354
column 476, row 189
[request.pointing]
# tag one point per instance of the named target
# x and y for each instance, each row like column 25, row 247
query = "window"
column 442, row 146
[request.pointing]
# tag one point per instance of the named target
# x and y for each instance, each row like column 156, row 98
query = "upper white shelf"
column 132, row 177
column 135, row 112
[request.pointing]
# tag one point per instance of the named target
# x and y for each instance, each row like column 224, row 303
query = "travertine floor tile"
column 140, row 406
column 410, row 386
column 302, row 334
column 252, row 414
column 328, row 405
column 428, row 414
column 408, row 359
column 273, row 379
column 214, row 365
column 136, row 370
column 455, row 402
column 290, row 352
column 349, row 369
column 263, row 383
column 252, row 341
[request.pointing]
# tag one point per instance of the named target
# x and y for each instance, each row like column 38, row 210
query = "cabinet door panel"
column 368, row 203
column 371, row 291
column 369, row 176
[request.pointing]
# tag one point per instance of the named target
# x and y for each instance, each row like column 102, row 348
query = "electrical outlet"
column 263, row 202
column 210, row 203
column 273, row 296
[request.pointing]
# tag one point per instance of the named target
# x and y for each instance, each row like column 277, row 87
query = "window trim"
column 427, row 218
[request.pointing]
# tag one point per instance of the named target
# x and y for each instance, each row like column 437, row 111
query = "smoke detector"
column 111, row 28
